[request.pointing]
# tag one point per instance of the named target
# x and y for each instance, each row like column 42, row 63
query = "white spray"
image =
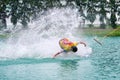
column 42, row 37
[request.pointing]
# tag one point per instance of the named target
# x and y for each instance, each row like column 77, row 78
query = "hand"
column 83, row 43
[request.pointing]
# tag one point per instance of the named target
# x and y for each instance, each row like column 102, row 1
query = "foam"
column 42, row 37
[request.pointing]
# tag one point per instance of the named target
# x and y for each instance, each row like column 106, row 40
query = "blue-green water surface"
column 103, row 64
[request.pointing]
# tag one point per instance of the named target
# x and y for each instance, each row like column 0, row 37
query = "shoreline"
column 89, row 32
column 101, row 32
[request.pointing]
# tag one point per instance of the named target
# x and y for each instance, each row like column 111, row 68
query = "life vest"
column 66, row 44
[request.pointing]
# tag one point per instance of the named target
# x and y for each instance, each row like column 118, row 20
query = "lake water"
column 26, row 54
column 102, row 64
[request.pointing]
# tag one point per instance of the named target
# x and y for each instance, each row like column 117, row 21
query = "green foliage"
column 25, row 10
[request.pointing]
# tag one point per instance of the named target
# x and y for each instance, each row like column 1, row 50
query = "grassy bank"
column 101, row 32
column 4, row 35
column 89, row 32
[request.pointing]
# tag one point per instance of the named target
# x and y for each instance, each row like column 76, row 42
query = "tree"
column 102, row 13
column 114, row 8
column 14, row 4
column 91, row 12
column 3, row 13
column 23, row 11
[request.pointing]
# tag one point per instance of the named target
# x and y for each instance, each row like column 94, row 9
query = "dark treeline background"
column 23, row 11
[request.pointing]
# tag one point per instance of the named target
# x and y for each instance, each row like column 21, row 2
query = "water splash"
column 41, row 39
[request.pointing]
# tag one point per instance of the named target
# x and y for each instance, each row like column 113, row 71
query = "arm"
column 58, row 53
column 82, row 43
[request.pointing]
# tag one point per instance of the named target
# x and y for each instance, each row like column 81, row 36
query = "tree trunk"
column 3, row 23
column 113, row 20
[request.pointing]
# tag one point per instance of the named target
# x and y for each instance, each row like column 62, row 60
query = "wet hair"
column 74, row 49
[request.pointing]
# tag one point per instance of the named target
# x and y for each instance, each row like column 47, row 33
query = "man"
column 68, row 46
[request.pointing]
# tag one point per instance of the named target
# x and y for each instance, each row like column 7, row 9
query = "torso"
column 66, row 44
